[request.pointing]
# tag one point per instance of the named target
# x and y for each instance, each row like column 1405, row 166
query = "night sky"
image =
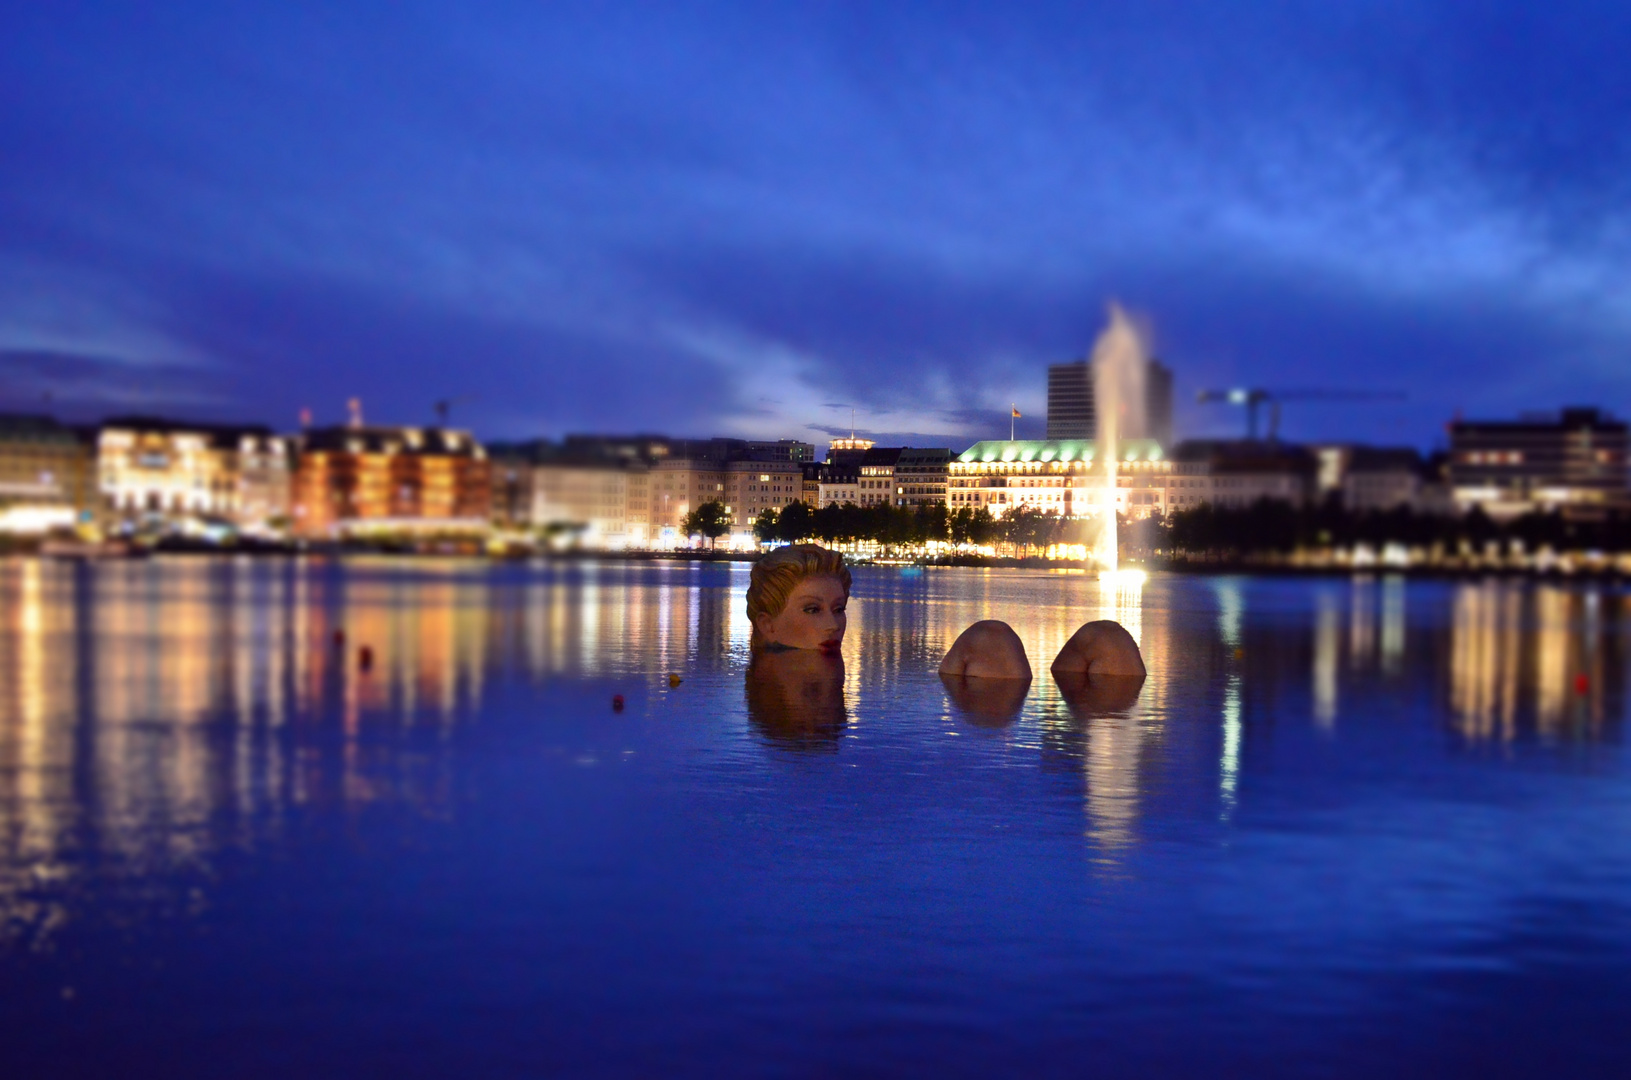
column 744, row 219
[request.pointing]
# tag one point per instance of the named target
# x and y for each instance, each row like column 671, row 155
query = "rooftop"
column 1046, row 450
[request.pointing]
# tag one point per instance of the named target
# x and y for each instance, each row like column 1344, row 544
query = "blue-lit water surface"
column 1347, row 826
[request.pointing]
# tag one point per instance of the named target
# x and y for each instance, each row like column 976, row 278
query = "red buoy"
column 1581, row 683
column 339, row 638
column 365, row 658
column 617, row 703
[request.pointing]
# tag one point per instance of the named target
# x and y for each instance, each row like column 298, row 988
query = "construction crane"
column 1255, row 397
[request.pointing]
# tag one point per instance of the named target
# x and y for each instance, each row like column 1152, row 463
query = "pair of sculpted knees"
column 991, row 650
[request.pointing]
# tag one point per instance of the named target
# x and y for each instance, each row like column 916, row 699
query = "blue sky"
column 749, row 218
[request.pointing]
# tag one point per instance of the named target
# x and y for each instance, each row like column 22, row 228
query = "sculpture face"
column 813, row 618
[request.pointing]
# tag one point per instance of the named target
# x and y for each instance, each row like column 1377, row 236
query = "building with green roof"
column 1063, row 476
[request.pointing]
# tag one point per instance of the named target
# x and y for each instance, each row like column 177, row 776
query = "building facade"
column 599, row 503
column 1073, row 410
column 752, row 487
column 360, row 480
column 176, row 470
column 511, row 467
column 848, row 451
column 828, row 484
column 678, row 486
column 1070, row 401
column 1237, row 473
column 921, row 475
column 1379, row 479
column 875, row 482
column 1067, row 477
column 1063, row 476
column 47, row 476
column 1574, row 462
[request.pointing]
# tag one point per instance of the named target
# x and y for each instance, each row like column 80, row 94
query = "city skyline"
column 736, row 221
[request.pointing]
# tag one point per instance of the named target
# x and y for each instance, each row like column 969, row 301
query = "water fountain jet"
column 1117, row 367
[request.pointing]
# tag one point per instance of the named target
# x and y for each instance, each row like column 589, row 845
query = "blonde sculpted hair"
column 776, row 575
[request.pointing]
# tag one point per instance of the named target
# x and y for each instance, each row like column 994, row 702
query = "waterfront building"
column 792, row 450
column 678, row 486
column 178, row 470
column 1236, row 473
column 752, row 487
column 1073, row 413
column 746, row 488
column 512, row 466
column 47, row 475
column 1379, row 478
column 921, row 474
column 602, row 503
column 1063, row 476
column 810, row 492
column 358, row 480
column 833, row 485
column 651, row 448
column 876, row 476
column 848, row 451
column 867, row 475
column 1573, row 461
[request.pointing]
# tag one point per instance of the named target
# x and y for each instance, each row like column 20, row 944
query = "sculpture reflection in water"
column 795, row 698
column 986, row 702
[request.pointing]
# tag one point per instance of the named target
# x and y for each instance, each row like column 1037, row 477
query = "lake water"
column 1348, row 826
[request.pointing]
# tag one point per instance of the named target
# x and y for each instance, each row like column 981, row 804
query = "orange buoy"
column 674, row 680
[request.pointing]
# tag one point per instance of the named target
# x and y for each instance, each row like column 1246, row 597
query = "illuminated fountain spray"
column 1119, row 405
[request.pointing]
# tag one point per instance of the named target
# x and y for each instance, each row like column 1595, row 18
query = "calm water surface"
column 1351, row 827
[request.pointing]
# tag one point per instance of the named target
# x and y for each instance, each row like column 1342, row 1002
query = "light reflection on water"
column 156, row 714
column 125, row 673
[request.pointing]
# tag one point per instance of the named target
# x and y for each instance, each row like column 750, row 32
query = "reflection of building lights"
column 1231, row 606
column 1362, row 621
column 1229, row 763
column 1327, row 645
column 1393, row 622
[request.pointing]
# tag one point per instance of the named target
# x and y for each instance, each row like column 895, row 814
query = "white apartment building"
column 607, row 504
column 181, row 470
column 1065, row 476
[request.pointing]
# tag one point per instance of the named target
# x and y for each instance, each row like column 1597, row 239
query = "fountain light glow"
column 1119, row 407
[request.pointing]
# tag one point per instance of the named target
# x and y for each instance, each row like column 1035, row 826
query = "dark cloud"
column 81, row 387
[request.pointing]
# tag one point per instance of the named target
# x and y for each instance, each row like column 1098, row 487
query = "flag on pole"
column 1015, row 408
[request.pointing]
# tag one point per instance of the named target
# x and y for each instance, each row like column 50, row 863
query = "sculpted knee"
column 987, row 650
column 1100, row 648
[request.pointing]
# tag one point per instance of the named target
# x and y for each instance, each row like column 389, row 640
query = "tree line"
column 1211, row 532
column 1205, row 532
column 1022, row 531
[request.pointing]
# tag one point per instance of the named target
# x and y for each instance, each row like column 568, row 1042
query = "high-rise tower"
column 1071, row 412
